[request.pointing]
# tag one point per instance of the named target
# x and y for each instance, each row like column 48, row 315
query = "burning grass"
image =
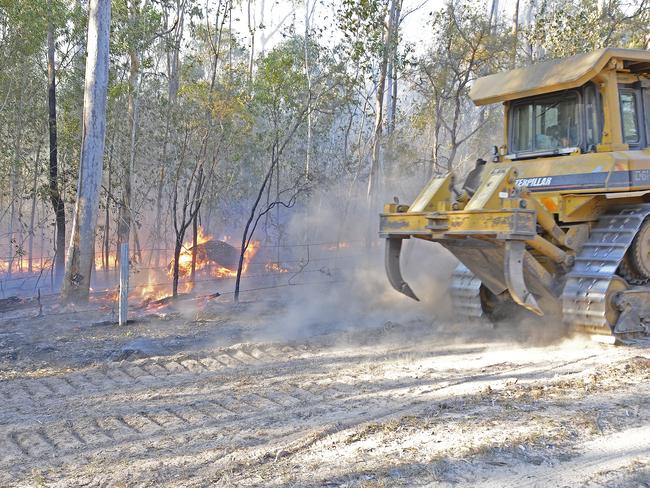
column 275, row 268
column 20, row 264
column 214, row 259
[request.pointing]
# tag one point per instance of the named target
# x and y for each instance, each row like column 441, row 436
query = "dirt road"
column 394, row 405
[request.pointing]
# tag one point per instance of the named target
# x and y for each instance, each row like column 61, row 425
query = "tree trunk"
column 373, row 179
column 174, row 58
column 55, row 197
column 137, row 250
column 14, row 246
column 389, row 97
column 106, row 244
column 192, row 200
column 156, row 226
column 276, row 152
column 80, row 256
column 494, row 16
column 195, row 242
column 393, row 112
column 245, row 240
column 32, row 213
column 394, row 20
column 124, row 215
column 308, row 13
column 515, row 33
column 178, row 244
column 251, row 31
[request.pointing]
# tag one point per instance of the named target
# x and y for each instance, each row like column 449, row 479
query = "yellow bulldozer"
column 558, row 222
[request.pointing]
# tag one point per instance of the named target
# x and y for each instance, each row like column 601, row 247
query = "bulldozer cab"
column 547, row 125
column 600, row 98
column 557, row 222
column 572, row 120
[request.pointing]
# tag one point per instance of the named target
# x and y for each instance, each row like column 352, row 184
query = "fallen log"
column 15, row 303
column 218, row 252
column 215, row 253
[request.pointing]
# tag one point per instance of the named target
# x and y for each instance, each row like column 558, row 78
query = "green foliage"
column 362, row 25
column 563, row 28
column 233, row 120
column 26, row 22
column 466, row 45
column 133, row 29
column 281, row 82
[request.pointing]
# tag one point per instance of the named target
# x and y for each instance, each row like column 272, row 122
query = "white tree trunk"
column 376, row 154
column 125, row 210
column 308, row 11
column 81, row 252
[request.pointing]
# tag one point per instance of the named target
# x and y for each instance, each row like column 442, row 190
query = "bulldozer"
column 557, row 222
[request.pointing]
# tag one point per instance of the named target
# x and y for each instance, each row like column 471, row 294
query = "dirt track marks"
column 241, row 399
column 140, row 373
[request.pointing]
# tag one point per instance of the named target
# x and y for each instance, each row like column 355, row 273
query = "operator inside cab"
column 545, row 124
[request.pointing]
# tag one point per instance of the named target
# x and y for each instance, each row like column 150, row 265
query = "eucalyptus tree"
column 23, row 28
column 81, row 251
column 211, row 119
column 466, row 44
column 136, row 26
column 55, row 195
column 283, row 97
column 565, row 27
column 371, row 31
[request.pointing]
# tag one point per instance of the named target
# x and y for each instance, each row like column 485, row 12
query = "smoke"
column 344, row 286
column 338, row 282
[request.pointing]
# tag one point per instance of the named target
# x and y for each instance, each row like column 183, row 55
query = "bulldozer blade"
column 393, row 271
column 514, row 275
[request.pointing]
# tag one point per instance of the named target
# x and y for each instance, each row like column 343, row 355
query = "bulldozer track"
column 118, row 411
column 584, row 294
column 585, row 291
column 465, row 292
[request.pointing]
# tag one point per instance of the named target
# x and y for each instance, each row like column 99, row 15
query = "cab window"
column 523, row 121
column 629, row 117
column 546, row 124
column 593, row 116
column 646, row 107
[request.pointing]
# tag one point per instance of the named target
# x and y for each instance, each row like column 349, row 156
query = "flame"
column 112, row 295
column 223, row 272
column 185, row 287
column 213, row 268
column 185, row 258
column 20, row 264
column 275, row 268
column 153, row 290
column 339, row 245
column 99, row 262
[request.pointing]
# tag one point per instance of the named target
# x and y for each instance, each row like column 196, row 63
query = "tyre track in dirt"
column 126, row 372
column 605, row 454
column 208, row 403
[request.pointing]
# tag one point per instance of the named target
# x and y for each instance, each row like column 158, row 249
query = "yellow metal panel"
column 612, row 132
column 581, row 208
column 403, row 224
column 551, row 203
column 504, row 222
column 547, row 77
column 488, row 193
column 437, row 190
column 639, row 165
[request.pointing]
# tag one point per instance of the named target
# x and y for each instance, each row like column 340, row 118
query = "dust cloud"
column 355, row 292
column 346, row 288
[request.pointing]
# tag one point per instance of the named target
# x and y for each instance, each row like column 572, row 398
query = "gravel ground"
column 213, row 396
